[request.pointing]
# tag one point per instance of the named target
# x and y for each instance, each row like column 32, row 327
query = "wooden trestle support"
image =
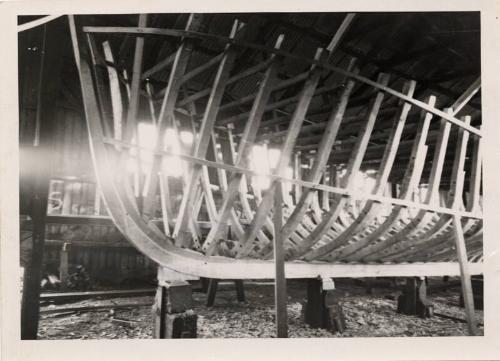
column 324, row 228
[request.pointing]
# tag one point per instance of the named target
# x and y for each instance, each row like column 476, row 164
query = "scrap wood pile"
column 366, row 316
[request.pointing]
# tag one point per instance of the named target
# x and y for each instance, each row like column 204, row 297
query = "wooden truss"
column 322, row 224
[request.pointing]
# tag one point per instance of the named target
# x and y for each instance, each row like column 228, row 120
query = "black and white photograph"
column 292, row 174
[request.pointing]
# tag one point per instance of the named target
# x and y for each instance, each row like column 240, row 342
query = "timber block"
column 181, row 325
column 414, row 300
column 179, row 297
column 173, row 316
column 323, row 308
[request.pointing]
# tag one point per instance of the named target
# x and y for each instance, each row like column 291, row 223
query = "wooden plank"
column 280, row 295
column 465, row 276
column 37, row 22
column 353, row 167
column 244, row 150
column 321, row 63
column 209, row 116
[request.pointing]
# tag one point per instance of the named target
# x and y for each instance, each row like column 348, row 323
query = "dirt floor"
column 367, row 315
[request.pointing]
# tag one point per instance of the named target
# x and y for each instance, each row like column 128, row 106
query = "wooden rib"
column 265, row 206
column 243, row 189
column 445, row 221
column 114, row 86
column 166, row 116
column 422, row 218
column 466, row 96
column 160, row 66
column 131, row 123
column 322, row 156
column 454, row 201
column 317, row 62
column 197, row 71
column 185, row 261
column 411, row 179
column 354, row 165
column 221, row 78
column 371, row 209
column 244, row 149
column 304, row 100
column 205, row 92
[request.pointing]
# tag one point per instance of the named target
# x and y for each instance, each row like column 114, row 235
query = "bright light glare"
column 262, row 160
column 147, row 139
column 274, row 157
column 186, row 137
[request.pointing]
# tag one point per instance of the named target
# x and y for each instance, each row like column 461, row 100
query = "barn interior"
column 317, row 153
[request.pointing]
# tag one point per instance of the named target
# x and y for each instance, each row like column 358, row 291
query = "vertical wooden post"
column 64, row 265
column 41, row 167
column 212, row 291
column 280, row 296
column 240, row 290
column 465, row 275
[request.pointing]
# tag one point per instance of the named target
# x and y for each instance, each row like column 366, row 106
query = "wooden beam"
column 280, row 295
column 206, row 92
column 41, row 168
column 465, row 276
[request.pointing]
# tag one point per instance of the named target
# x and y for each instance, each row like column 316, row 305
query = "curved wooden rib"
column 244, row 150
column 443, row 227
column 354, row 165
column 412, row 177
column 422, row 218
column 372, row 209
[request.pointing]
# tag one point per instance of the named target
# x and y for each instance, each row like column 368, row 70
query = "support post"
column 280, row 297
column 213, row 284
column 465, row 276
column 173, row 316
column 323, row 308
column 40, row 166
column 240, row 290
column 414, row 300
column 64, row 265
column 212, row 291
